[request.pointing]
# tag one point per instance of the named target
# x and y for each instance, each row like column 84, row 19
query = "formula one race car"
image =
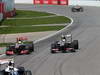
column 19, row 49
column 11, row 70
column 65, row 45
column 77, row 9
column 21, row 71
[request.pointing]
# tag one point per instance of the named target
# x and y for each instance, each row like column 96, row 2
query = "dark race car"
column 77, row 9
column 21, row 49
column 21, row 71
column 11, row 70
column 65, row 46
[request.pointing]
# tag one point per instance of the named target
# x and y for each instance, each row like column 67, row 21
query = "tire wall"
column 1, row 10
column 9, row 5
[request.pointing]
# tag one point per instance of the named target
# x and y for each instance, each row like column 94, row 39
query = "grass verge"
column 9, row 30
column 36, row 21
column 7, row 44
column 27, row 13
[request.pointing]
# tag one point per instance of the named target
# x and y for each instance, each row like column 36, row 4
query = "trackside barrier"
column 9, row 5
column 69, row 2
column 51, row 2
column 2, row 50
column 1, row 10
column 84, row 2
column 7, row 8
column 24, row 1
column 2, row 7
column 10, row 13
column 1, row 16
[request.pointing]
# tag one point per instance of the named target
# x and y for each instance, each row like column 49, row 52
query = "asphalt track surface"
column 86, row 61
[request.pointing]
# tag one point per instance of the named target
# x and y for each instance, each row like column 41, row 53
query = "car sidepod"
column 8, row 52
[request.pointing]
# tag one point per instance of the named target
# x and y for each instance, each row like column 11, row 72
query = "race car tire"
column 81, row 9
column 73, row 10
column 53, row 46
column 73, row 50
column 28, row 72
column 63, row 51
column 21, row 68
column 75, row 44
column 53, row 52
column 31, row 47
column 1, row 73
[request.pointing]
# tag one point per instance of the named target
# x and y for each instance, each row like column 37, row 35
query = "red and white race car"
column 65, row 45
column 21, row 49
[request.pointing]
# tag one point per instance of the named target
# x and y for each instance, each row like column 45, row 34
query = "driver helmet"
column 19, row 42
column 11, row 63
column 63, row 37
column 63, row 40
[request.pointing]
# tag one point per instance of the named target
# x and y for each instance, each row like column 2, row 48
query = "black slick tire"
column 75, row 44
column 28, row 72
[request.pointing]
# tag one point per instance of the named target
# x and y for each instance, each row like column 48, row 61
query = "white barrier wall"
column 24, row 1
column 84, row 2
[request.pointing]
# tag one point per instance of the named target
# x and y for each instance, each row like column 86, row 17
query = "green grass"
column 7, row 44
column 25, row 25
column 4, row 45
column 9, row 30
column 36, row 21
column 25, row 13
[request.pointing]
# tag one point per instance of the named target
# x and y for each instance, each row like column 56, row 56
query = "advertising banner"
column 51, row 2
column 38, row 1
column 63, row 2
column 47, row 1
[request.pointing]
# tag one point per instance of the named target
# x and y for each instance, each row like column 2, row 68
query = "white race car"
column 11, row 70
